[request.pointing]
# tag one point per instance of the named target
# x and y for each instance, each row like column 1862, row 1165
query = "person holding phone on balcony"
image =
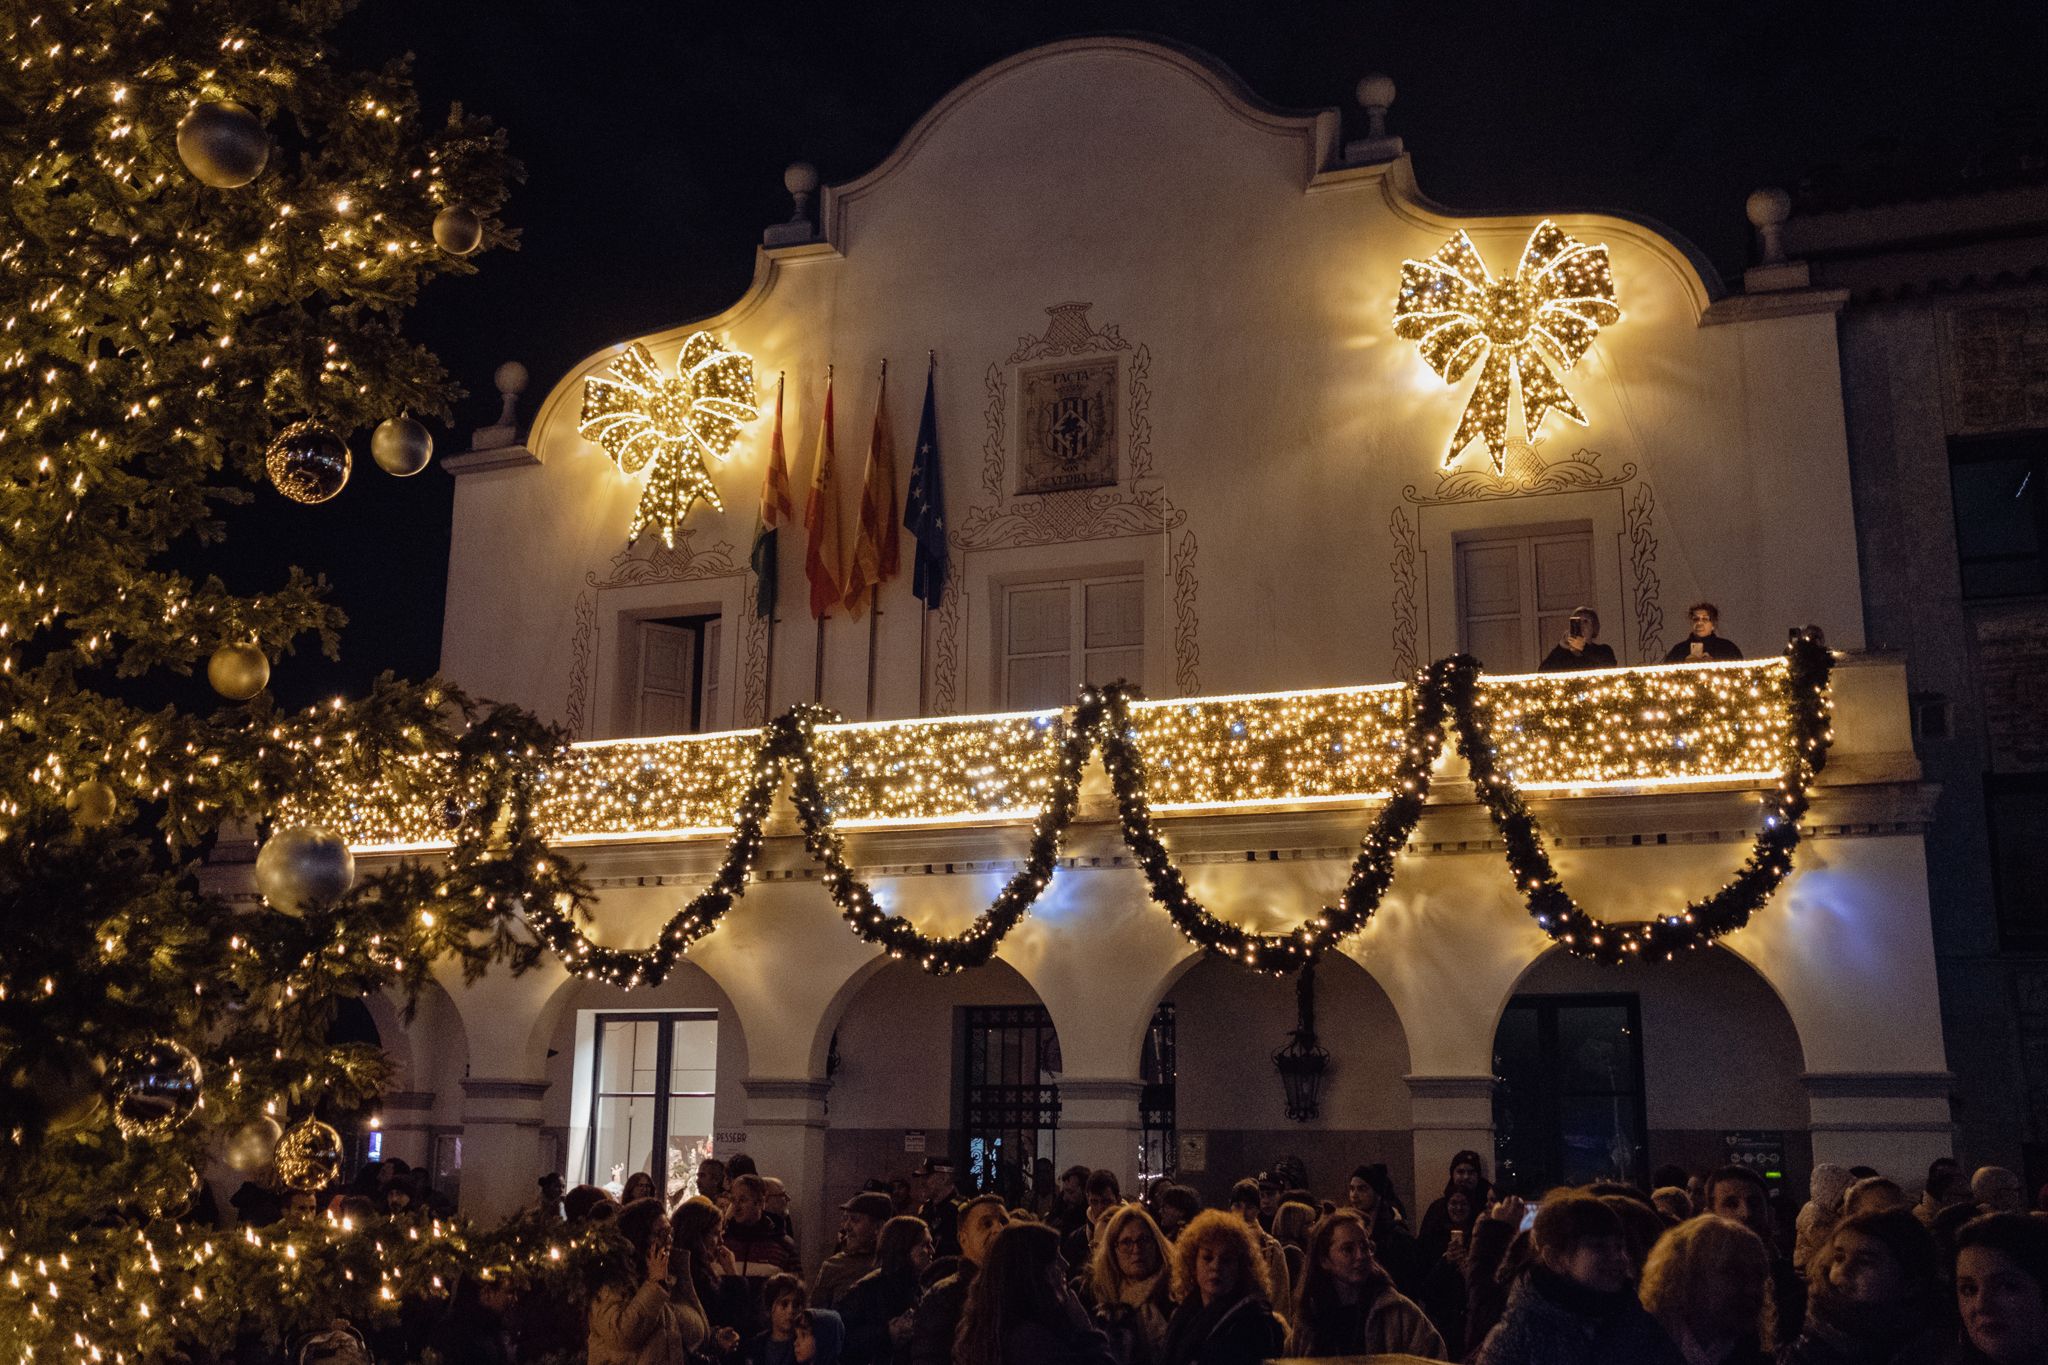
column 1703, row 645
column 1580, row 647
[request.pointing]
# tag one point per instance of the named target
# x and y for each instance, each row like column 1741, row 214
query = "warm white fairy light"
column 1637, row 727
column 1545, row 314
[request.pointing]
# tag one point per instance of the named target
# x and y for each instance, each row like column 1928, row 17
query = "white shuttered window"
column 1057, row 636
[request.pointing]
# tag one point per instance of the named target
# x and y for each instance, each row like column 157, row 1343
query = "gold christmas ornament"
column 156, row 1090
column 223, row 144
column 640, row 414
column 309, row 1155
column 238, row 670
column 297, row 869
column 91, row 804
column 307, row 462
column 1527, row 326
column 458, row 231
column 401, row 447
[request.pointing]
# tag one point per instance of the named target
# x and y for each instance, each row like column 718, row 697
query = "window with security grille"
column 1010, row 1094
column 1158, row 1136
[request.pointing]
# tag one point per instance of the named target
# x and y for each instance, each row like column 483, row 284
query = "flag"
column 777, row 510
column 876, row 557
column 824, row 560
column 924, row 511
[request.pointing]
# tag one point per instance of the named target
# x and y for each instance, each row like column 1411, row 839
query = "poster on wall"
column 1068, row 433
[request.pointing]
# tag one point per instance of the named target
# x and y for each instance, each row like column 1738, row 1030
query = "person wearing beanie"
column 1820, row 1213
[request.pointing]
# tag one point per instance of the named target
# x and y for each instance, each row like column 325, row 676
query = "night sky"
column 654, row 139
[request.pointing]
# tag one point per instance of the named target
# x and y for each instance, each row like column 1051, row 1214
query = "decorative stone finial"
column 1375, row 96
column 801, row 180
column 511, row 380
column 1768, row 210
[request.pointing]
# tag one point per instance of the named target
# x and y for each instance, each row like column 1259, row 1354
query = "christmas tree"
column 208, row 240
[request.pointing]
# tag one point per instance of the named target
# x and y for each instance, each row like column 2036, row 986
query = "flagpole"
column 924, row 608
column 874, row 593
column 818, row 659
column 768, row 654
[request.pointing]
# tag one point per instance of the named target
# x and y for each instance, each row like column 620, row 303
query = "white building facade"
column 1183, row 444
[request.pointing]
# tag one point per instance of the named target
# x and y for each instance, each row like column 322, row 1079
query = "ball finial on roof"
column 1376, row 91
column 1769, row 208
column 801, row 179
column 511, row 378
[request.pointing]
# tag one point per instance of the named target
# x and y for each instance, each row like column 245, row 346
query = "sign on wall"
column 1194, row 1153
column 1068, row 435
column 1759, row 1150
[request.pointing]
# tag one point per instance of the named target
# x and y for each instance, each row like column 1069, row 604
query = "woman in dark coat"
column 1226, row 1312
column 1371, row 1194
column 877, row 1310
column 1575, row 1304
column 1435, row 1235
column 1020, row 1310
column 1348, row 1305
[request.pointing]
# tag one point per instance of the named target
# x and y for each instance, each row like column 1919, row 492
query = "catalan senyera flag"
column 824, row 553
column 778, row 509
column 876, row 557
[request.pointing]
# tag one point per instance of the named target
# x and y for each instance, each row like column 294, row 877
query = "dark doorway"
column 1569, row 1105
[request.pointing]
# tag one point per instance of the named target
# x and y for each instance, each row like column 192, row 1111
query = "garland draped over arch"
column 1447, row 701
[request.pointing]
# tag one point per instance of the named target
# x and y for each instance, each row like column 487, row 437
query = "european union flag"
column 924, row 509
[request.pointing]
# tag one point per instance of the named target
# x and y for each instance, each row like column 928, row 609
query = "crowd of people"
column 1697, row 1270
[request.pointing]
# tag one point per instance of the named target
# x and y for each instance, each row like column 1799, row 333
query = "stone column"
column 407, row 1118
column 1448, row 1114
column 501, row 1122
column 1897, row 1121
column 786, row 1138
column 1099, row 1126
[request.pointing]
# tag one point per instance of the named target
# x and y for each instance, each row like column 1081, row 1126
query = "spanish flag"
column 875, row 555
column 778, row 509
column 824, row 559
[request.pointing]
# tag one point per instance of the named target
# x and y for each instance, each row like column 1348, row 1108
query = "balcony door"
column 1517, row 588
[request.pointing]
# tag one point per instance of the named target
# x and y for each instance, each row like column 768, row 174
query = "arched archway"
column 917, row 1068
column 1609, row 1073
column 1228, row 1022
column 648, row 1079
column 421, row 1108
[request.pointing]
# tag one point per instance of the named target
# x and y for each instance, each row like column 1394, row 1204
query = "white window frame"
column 1529, row 609
column 615, row 655
column 987, row 575
column 1077, row 651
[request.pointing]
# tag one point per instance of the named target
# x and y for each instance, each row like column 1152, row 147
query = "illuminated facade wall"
column 1220, row 283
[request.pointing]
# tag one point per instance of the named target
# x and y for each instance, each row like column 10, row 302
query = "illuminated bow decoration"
column 1545, row 314
column 640, row 414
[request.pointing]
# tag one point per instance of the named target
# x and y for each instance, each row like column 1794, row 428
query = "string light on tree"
column 1544, row 315
column 644, row 415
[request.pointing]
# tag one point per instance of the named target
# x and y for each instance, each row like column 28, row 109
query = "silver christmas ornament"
column 458, row 231
column 309, row 1156
column 250, row 1148
column 297, row 869
column 156, row 1089
column 91, row 804
column 238, row 670
column 307, row 462
column 401, row 446
column 223, row 145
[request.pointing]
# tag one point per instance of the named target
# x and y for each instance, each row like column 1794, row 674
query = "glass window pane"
column 1491, row 578
column 1995, row 507
column 1040, row 619
column 1107, row 665
column 2019, row 851
column 1047, row 680
column 1115, row 614
column 1600, row 1139
column 1596, row 1048
column 1564, row 572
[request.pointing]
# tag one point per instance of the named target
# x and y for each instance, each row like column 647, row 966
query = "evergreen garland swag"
column 1446, row 692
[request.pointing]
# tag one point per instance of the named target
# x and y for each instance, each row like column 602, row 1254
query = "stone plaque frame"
column 1068, row 436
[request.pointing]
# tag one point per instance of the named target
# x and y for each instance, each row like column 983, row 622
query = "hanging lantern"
column 1303, row 1062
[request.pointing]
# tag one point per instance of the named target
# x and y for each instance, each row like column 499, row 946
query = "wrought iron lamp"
column 1303, row 1061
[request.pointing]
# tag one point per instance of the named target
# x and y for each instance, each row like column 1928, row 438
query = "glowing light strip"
column 1643, row 728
